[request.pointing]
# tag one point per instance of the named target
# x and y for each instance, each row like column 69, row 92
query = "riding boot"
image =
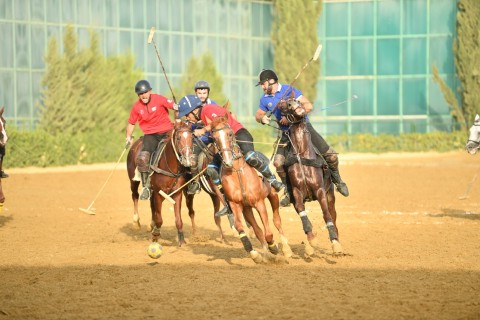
column 194, row 186
column 225, row 210
column 285, row 202
column 145, row 195
column 255, row 160
column 332, row 161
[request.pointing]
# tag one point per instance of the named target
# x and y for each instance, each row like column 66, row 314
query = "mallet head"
column 150, row 36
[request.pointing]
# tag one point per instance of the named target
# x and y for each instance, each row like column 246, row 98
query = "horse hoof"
column 309, row 251
column 287, row 251
column 313, row 242
column 337, row 247
column 256, row 257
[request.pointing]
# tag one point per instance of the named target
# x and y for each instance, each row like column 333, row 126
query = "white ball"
column 155, row 250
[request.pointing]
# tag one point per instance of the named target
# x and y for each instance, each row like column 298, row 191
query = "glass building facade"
column 378, row 50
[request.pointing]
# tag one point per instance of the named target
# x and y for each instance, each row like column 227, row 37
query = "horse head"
column 292, row 109
column 3, row 132
column 182, row 141
column 473, row 142
column 224, row 140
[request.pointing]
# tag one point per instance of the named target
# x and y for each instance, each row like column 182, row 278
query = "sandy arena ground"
column 412, row 250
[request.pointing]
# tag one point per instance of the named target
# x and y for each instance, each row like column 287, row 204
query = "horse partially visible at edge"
column 309, row 176
column 3, row 143
column 168, row 174
column 245, row 190
column 473, row 142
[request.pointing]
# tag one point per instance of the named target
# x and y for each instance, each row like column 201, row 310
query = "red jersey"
column 152, row 117
column 211, row 111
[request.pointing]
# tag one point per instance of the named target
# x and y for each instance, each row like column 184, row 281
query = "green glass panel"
column 38, row 43
column 37, row 10
column 6, row 58
column 68, row 11
column 414, row 56
column 6, row 94
column 388, row 17
column 22, row 46
column 362, row 57
column 414, row 125
column 188, row 20
column 442, row 16
column 441, row 54
column 83, row 12
column 53, row 10
column 362, row 126
column 125, row 41
column 24, row 94
column 125, row 14
column 414, row 17
column 337, row 91
column 362, row 19
column 437, row 104
column 363, row 105
column 6, row 9
column 111, row 12
column 414, row 96
column 98, row 12
column 336, row 19
column 164, row 15
column 22, row 10
column 138, row 20
column 388, row 126
column 337, row 57
column 388, row 56
column 388, row 97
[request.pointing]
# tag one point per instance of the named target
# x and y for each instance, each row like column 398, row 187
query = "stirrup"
column 222, row 212
column 193, row 187
column 145, row 195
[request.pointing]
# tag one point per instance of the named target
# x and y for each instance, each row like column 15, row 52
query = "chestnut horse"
column 309, row 176
column 168, row 175
column 3, row 142
column 473, row 142
column 245, row 189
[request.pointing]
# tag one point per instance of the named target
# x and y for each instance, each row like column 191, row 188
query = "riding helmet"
column 187, row 104
column 265, row 75
column 202, row 84
column 142, row 86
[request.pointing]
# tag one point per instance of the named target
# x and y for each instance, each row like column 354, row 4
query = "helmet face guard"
column 187, row 104
column 142, row 86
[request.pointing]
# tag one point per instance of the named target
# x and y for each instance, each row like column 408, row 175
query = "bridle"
column 232, row 143
column 179, row 136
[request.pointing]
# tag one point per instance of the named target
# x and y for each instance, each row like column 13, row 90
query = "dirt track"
column 413, row 250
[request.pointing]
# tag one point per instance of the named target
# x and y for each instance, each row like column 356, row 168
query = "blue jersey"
column 268, row 102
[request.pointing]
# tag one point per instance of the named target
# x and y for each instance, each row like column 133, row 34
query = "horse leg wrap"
column 246, row 242
column 273, row 248
column 307, row 225
column 156, row 231
column 181, row 237
column 332, row 233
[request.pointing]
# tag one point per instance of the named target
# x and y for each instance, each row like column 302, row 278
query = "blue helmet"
column 187, row 104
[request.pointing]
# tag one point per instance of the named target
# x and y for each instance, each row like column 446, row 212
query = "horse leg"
column 332, row 229
column 247, row 244
column 134, row 188
column 218, row 220
column 178, row 218
column 277, row 221
column 262, row 211
column 157, row 220
column 306, row 224
column 191, row 211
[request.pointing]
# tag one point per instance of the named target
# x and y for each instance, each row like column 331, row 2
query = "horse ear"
column 477, row 119
column 292, row 94
column 226, row 105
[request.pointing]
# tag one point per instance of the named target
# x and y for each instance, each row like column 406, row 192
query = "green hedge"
column 39, row 149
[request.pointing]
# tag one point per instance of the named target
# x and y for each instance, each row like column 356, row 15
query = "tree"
column 466, row 48
column 84, row 91
column 295, row 40
column 203, row 68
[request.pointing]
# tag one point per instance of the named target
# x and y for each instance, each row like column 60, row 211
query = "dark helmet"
column 266, row 74
column 142, row 86
column 187, row 104
column 202, row 84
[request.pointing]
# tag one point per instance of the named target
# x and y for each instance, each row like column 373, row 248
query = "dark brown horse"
column 168, row 175
column 3, row 143
column 245, row 190
column 309, row 176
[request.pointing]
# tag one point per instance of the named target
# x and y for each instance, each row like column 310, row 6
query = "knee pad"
column 255, row 159
column 331, row 156
column 212, row 173
column 143, row 161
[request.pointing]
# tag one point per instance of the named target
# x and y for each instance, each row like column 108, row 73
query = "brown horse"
column 207, row 185
column 168, row 175
column 3, row 142
column 309, row 176
column 245, row 189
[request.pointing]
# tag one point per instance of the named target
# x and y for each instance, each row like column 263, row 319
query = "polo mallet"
column 150, row 40
column 91, row 210
column 169, row 196
column 339, row 103
column 313, row 58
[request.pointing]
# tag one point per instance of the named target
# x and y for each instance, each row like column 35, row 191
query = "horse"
column 245, row 190
column 309, row 176
column 207, row 185
column 3, row 143
column 473, row 142
column 168, row 174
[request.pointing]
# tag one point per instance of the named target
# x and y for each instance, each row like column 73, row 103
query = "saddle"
column 155, row 158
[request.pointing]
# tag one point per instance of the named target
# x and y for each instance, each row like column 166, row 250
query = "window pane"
column 6, row 9
column 38, row 43
column 53, row 10
column 22, row 9
column 6, row 83
column 68, row 13
column 21, row 46
column 442, row 16
column 98, row 12
column 38, row 11
column 437, row 103
column 6, row 58
column 176, row 16
column 388, row 56
column 83, row 12
column 337, row 58
column 336, row 20
column 415, row 125
column 125, row 42
column 388, row 97
column 441, row 54
column 364, row 104
column 414, row 56
column 125, row 13
column 388, row 126
column 23, row 94
column 362, row 19
column 362, row 126
column 414, row 17
column 336, row 92
column 388, row 17
column 111, row 42
column 362, row 57
column 414, row 99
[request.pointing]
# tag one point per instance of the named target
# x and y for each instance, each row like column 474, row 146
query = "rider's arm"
column 306, row 104
column 259, row 115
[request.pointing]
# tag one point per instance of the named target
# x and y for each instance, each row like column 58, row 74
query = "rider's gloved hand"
column 265, row 119
column 128, row 140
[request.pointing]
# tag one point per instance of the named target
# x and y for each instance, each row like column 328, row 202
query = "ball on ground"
column 155, row 250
